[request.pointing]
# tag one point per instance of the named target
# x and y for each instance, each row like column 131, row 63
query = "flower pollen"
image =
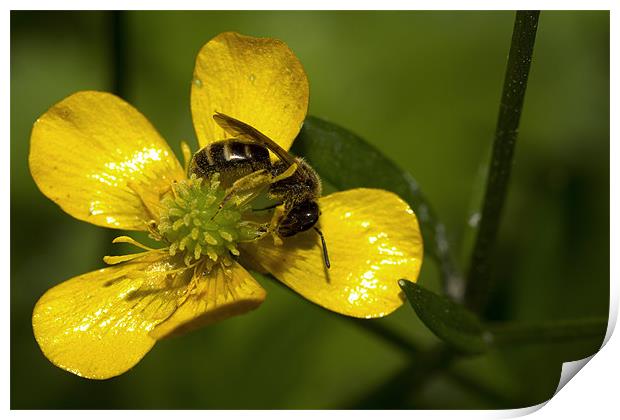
column 201, row 222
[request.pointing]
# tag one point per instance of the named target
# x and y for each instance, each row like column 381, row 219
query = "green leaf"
column 449, row 321
column 346, row 161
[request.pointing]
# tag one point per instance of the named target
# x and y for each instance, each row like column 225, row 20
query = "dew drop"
column 474, row 219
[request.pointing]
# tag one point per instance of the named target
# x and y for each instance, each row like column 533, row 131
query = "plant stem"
column 511, row 334
column 119, row 52
column 515, row 83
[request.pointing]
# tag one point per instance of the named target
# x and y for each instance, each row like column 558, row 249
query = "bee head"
column 300, row 218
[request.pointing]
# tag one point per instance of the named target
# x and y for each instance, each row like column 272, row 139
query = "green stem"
column 511, row 334
column 515, row 83
column 119, row 52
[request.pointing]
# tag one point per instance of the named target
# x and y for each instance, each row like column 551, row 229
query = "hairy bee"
column 243, row 162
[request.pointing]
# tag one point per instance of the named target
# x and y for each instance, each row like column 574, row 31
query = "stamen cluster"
column 200, row 221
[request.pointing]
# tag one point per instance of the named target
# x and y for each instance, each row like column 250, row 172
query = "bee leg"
column 276, row 219
column 251, row 185
column 263, row 231
column 254, row 183
column 247, row 187
column 151, row 227
column 277, row 241
column 269, row 207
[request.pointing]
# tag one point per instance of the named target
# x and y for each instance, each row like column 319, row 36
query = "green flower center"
column 201, row 222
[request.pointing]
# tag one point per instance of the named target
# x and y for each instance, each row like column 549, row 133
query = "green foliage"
column 451, row 322
column 506, row 132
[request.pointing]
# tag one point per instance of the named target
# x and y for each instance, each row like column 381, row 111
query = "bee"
column 243, row 162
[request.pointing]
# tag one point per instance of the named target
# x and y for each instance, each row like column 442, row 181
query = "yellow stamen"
column 233, row 250
column 187, row 155
column 116, row 259
column 210, row 239
column 132, row 241
column 227, row 236
column 173, row 248
column 212, row 254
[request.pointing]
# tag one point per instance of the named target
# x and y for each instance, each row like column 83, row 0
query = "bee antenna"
column 325, row 255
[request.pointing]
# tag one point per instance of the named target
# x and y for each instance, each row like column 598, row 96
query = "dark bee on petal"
column 243, row 162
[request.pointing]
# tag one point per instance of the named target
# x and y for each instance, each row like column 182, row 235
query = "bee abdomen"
column 227, row 156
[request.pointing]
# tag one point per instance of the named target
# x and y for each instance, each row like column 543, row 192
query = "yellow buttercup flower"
column 101, row 161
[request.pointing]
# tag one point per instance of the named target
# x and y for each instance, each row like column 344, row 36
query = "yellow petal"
column 97, row 325
column 373, row 240
column 101, row 161
column 256, row 80
column 214, row 299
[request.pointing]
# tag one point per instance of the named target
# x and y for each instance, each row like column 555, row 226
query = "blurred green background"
column 424, row 88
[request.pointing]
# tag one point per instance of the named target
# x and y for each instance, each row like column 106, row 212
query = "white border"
column 595, row 389
column 310, row 5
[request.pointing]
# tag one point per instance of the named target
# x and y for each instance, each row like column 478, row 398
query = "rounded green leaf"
column 452, row 323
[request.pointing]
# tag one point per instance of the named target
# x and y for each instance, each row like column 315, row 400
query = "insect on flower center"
column 199, row 221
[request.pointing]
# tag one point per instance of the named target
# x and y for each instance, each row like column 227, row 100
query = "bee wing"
column 242, row 130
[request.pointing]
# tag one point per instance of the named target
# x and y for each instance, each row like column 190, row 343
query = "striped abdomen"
column 232, row 159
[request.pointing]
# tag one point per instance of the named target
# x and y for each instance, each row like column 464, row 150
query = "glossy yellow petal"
column 256, row 80
column 97, row 325
column 215, row 298
column 373, row 240
column 101, row 161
